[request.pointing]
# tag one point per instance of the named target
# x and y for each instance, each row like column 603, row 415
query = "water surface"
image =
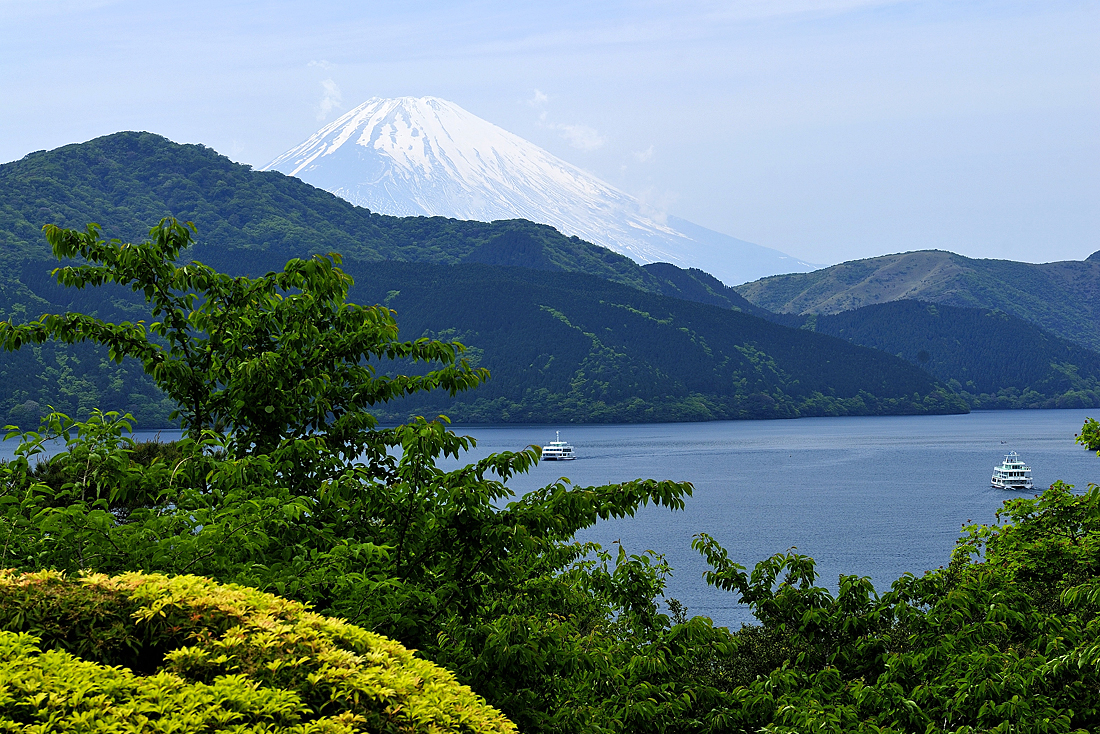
column 876, row 496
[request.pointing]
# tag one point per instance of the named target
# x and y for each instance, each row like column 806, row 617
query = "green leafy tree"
column 267, row 360
column 285, row 482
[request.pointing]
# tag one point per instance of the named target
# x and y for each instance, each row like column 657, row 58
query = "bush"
column 140, row 652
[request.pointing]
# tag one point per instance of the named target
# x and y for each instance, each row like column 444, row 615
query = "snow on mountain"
column 430, row 157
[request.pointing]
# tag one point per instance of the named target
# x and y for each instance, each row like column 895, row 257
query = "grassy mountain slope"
column 992, row 359
column 1062, row 297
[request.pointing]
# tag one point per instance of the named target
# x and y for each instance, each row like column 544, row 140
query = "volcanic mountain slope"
column 1061, row 297
column 430, row 157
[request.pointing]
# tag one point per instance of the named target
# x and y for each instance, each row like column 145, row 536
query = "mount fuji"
column 429, row 157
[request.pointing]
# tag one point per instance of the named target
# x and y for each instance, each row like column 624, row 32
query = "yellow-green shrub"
column 142, row 652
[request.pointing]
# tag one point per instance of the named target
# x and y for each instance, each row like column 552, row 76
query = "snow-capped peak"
column 427, row 156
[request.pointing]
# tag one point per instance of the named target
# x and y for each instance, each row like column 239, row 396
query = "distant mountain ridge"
column 429, row 157
column 619, row 351
column 992, row 359
column 130, row 180
column 568, row 347
column 1061, row 297
column 251, row 222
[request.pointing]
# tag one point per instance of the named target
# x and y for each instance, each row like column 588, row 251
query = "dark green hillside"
column 560, row 346
column 605, row 359
column 129, row 181
column 569, row 347
column 1061, row 297
column 994, row 360
column 693, row 284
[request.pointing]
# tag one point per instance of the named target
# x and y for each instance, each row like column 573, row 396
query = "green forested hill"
column 693, row 284
column 128, row 181
column 1061, row 297
column 570, row 347
column 992, row 359
column 560, row 347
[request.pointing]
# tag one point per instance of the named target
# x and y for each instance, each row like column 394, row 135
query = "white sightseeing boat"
column 1012, row 474
column 557, row 450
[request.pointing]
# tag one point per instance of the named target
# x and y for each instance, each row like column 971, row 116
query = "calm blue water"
column 875, row 497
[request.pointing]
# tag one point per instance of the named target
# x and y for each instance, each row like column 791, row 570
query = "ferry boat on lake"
column 557, row 450
column 1013, row 473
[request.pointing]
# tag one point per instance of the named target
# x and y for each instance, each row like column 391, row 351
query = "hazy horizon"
column 827, row 130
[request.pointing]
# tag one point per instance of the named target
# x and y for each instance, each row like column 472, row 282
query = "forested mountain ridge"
column 561, row 347
column 251, row 222
column 1061, row 297
column 570, row 347
column 692, row 284
column 992, row 359
column 128, row 181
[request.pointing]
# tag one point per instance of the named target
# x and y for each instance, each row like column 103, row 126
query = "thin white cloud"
column 330, row 99
column 643, row 155
column 581, row 137
column 538, row 100
column 656, row 204
column 322, row 64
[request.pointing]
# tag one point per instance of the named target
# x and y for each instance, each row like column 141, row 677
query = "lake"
column 875, row 496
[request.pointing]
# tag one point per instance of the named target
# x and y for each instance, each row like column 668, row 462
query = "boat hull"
column 1011, row 485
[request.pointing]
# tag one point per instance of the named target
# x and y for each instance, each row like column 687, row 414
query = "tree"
column 321, row 504
column 266, row 360
column 285, row 482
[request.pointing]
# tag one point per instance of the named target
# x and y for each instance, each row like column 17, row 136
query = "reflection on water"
column 875, row 497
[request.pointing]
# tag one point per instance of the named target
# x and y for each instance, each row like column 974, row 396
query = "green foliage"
column 568, row 347
column 322, row 506
column 276, row 358
column 1059, row 297
column 192, row 655
column 968, row 349
column 317, row 502
column 1090, row 436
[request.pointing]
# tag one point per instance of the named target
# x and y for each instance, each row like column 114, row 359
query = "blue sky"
column 831, row 129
